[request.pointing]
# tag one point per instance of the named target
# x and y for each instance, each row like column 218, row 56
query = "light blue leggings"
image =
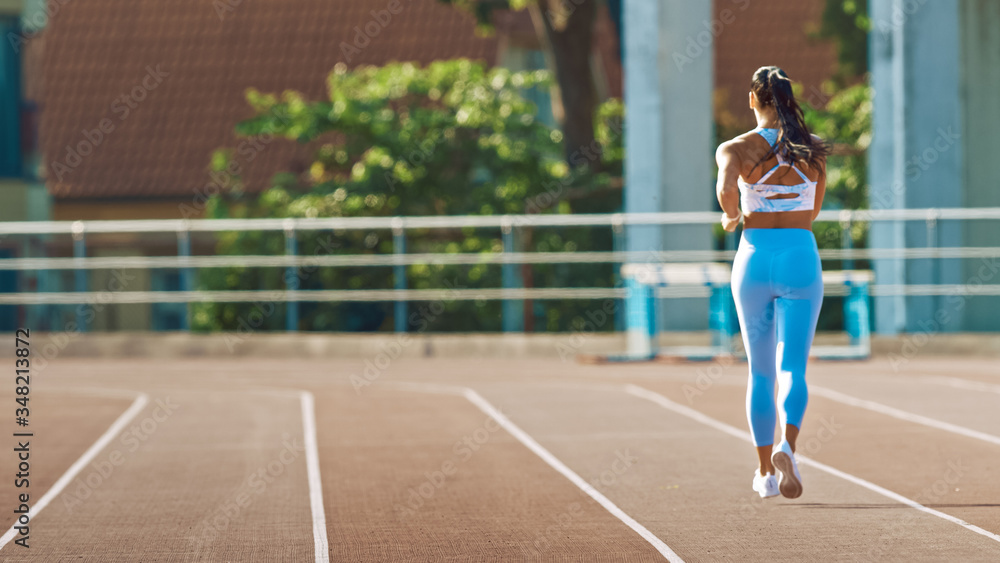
column 778, row 289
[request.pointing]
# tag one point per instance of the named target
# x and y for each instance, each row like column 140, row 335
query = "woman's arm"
column 820, row 191
column 727, row 188
column 820, row 183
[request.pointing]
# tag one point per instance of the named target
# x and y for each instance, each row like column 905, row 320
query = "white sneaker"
column 766, row 485
column 790, row 483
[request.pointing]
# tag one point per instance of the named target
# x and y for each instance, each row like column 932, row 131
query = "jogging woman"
column 773, row 179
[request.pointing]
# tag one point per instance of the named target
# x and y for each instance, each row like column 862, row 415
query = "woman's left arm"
column 727, row 188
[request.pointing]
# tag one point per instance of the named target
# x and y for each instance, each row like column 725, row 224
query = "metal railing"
column 80, row 263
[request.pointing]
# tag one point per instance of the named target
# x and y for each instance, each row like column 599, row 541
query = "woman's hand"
column 730, row 223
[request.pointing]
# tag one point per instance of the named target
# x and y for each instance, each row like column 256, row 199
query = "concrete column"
column 916, row 158
column 687, row 156
column 669, row 130
column 644, row 114
column 981, row 69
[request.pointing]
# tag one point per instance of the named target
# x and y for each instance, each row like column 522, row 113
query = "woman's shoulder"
column 739, row 146
column 738, row 141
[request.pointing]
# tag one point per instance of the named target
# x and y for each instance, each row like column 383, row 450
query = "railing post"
column 401, row 306
column 932, row 219
column 513, row 310
column 847, row 241
column 187, row 274
column 292, row 280
column 618, row 246
column 642, row 334
column 935, row 261
column 79, row 273
column 856, row 315
column 720, row 317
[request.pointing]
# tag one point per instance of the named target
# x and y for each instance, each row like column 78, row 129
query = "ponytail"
column 795, row 143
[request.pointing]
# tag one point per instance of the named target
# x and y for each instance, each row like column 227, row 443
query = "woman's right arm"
column 820, row 191
column 820, row 184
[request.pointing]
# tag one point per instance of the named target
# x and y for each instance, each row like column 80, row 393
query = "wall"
column 917, row 154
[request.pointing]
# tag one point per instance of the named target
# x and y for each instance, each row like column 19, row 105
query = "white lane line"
column 902, row 415
column 666, row 403
column 553, row 461
column 140, row 403
column 959, row 383
column 320, row 542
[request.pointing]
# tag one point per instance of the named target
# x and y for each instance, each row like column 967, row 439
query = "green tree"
column 846, row 120
column 567, row 30
column 451, row 138
column 846, row 22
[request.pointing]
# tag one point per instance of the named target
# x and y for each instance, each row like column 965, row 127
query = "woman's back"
column 759, row 169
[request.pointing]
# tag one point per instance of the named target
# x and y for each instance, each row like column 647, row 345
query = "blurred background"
column 309, row 109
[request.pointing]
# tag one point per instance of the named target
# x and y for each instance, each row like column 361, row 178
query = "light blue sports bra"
column 754, row 197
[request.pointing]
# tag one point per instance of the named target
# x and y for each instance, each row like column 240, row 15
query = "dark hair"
column 795, row 143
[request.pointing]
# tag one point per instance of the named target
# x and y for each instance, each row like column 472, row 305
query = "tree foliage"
column 846, row 121
column 566, row 31
column 846, row 22
column 451, row 138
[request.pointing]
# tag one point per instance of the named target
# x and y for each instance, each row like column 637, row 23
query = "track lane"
column 429, row 477
column 176, row 494
column 691, row 486
column 957, row 475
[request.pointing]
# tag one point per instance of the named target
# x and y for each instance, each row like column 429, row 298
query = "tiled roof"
column 772, row 32
column 209, row 53
column 186, row 64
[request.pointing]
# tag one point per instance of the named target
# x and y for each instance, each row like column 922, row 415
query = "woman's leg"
column 796, row 324
column 796, row 314
column 761, row 408
column 755, row 309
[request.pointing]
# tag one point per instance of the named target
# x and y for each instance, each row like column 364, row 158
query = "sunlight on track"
column 902, row 415
column 744, row 435
column 140, row 403
column 554, row 462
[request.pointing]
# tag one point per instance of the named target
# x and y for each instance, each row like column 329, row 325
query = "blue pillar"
column 644, row 141
column 641, row 319
column 187, row 273
column 292, row 280
column 618, row 245
column 981, row 73
column 847, row 241
column 856, row 319
column 11, row 159
column 669, row 132
column 80, row 274
column 722, row 321
column 918, row 146
column 644, row 113
column 513, row 309
column 399, row 275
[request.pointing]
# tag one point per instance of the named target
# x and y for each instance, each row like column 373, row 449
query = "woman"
column 777, row 175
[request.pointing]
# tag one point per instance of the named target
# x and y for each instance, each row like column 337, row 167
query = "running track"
column 472, row 460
